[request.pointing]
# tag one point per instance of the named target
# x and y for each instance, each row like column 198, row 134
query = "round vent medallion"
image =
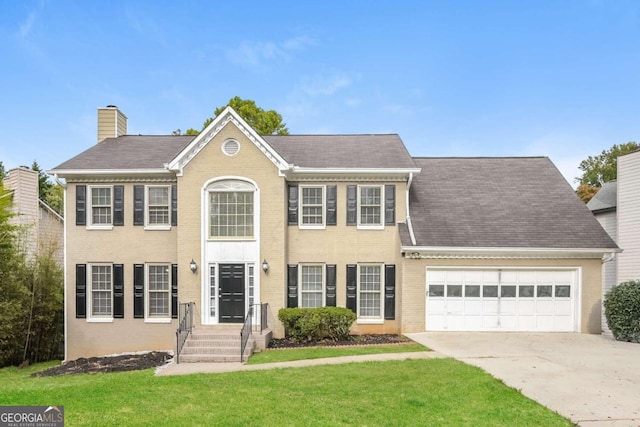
column 230, row 147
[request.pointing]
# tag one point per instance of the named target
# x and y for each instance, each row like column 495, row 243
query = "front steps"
column 215, row 346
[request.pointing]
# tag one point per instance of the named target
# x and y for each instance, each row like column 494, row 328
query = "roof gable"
column 226, row 118
column 605, row 199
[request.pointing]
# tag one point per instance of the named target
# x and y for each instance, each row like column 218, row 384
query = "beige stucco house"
column 229, row 218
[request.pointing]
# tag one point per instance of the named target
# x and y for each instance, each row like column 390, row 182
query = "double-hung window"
column 370, row 291
column 312, row 207
column 101, row 205
column 101, row 291
column 311, row 286
column 370, row 207
column 158, row 291
column 158, row 206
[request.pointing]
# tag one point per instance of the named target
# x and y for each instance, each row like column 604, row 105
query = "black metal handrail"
column 245, row 332
column 185, row 325
column 248, row 327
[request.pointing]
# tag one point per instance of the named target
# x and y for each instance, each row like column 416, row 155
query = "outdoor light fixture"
column 265, row 266
column 193, row 266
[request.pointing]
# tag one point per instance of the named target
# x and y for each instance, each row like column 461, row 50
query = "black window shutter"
column 352, row 204
column 292, row 286
column 390, row 291
column 331, row 286
column 174, row 291
column 390, row 205
column 81, row 291
column 81, row 205
column 118, row 205
column 118, row 291
column 138, row 205
column 331, row 204
column 293, row 205
column 138, row 291
column 352, row 287
column 174, row 205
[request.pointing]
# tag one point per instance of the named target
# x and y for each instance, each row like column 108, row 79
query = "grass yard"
column 286, row 355
column 437, row 392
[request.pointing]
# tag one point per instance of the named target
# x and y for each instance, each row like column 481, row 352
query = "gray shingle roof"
column 312, row 151
column 606, row 198
column 499, row 203
column 129, row 152
column 342, row 151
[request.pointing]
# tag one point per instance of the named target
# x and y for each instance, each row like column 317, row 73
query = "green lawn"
column 285, row 355
column 437, row 392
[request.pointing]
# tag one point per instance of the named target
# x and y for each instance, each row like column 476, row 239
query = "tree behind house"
column 596, row 170
column 265, row 122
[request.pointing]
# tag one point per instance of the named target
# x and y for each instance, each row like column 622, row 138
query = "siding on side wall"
column 609, row 279
column 629, row 217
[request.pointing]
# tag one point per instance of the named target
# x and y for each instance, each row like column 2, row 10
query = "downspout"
column 608, row 257
column 64, row 261
column 409, row 224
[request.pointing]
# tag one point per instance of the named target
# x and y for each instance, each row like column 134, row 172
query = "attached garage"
column 502, row 299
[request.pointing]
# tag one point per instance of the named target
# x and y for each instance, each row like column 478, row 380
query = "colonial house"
column 617, row 207
column 41, row 229
column 229, row 219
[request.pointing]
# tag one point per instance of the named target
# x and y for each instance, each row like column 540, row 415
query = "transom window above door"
column 231, row 210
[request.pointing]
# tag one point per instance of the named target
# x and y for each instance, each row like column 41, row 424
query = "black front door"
column 231, row 293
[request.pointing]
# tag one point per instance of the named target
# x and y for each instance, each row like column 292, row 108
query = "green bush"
column 315, row 324
column 622, row 310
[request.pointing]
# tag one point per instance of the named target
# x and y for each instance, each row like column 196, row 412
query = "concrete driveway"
column 591, row 379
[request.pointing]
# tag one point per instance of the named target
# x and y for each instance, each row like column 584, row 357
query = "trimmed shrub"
column 622, row 310
column 315, row 324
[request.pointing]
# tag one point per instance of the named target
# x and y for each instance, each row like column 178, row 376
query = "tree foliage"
column 265, row 122
column 31, row 298
column 596, row 170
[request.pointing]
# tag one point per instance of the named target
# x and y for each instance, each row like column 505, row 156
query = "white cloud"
column 325, row 84
column 255, row 55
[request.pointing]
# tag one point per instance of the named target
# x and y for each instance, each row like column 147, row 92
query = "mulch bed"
column 153, row 359
column 366, row 339
column 120, row 363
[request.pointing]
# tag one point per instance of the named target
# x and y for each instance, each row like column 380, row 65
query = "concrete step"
column 208, row 347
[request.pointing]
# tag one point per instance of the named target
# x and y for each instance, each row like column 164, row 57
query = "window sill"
column 99, row 227
column 312, row 227
column 100, row 320
column 157, row 227
column 370, row 227
column 158, row 320
column 370, row 321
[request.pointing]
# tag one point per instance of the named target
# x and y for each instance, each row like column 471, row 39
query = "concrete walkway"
column 200, row 368
column 590, row 379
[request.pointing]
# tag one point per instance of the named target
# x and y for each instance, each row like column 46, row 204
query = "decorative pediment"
column 226, row 118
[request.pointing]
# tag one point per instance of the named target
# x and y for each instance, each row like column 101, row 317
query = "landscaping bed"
column 119, row 363
column 366, row 339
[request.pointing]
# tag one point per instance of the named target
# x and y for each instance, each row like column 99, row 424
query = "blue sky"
column 452, row 78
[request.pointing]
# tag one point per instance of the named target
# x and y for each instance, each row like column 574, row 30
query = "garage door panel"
column 501, row 299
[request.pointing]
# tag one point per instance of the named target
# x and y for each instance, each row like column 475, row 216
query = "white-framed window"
column 158, row 206
column 370, row 291
column 101, row 292
column 158, row 298
column 101, row 206
column 312, row 206
column 312, row 285
column 370, row 206
column 231, row 211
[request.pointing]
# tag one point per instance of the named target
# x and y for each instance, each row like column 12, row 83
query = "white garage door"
column 501, row 300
